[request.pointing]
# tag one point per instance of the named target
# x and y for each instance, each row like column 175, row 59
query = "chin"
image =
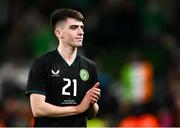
column 79, row 44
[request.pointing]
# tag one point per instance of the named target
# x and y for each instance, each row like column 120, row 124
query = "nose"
column 80, row 31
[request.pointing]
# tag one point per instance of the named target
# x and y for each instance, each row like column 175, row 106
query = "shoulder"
column 87, row 60
column 47, row 56
column 44, row 59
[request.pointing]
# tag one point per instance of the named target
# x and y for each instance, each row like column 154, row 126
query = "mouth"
column 79, row 39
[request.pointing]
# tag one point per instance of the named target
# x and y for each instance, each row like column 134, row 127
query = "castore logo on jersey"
column 55, row 73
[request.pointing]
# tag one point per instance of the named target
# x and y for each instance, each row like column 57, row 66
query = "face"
column 71, row 32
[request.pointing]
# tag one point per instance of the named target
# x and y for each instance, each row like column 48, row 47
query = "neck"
column 67, row 53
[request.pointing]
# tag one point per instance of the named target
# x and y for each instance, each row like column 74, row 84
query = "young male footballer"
column 63, row 85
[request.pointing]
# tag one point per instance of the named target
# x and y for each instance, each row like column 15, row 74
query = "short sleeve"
column 36, row 78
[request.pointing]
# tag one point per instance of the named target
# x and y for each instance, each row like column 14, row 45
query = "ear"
column 58, row 33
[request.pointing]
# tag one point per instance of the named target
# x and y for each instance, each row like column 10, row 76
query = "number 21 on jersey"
column 70, row 83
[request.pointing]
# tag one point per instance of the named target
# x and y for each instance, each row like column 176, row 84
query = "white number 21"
column 64, row 92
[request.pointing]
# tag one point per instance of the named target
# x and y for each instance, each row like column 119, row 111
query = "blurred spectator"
column 16, row 112
column 15, row 109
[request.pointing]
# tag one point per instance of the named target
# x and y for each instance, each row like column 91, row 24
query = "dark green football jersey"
column 63, row 85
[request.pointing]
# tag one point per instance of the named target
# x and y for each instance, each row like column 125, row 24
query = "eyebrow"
column 76, row 26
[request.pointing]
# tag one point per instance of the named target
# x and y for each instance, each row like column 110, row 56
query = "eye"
column 82, row 27
column 73, row 26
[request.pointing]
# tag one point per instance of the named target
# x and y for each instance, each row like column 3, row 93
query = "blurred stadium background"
column 134, row 42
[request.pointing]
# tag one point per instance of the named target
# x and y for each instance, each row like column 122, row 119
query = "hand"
column 91, row 97
column 95, row 93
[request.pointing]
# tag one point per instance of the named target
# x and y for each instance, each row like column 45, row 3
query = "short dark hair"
column 60, row 15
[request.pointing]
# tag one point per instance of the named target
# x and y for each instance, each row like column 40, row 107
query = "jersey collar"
column 64, row 62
